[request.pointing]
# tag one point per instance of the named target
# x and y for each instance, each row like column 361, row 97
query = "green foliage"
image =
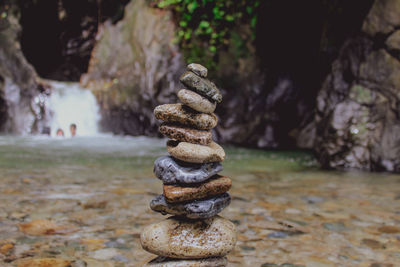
column 205, row 26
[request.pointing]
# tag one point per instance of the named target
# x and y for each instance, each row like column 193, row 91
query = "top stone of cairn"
column 198, row 69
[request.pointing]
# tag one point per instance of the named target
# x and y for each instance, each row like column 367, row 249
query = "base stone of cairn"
column 193, row 192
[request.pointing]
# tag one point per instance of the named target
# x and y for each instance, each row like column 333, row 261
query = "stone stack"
column 193, row 191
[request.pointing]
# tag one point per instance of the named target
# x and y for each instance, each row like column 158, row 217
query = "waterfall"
column 70, row 104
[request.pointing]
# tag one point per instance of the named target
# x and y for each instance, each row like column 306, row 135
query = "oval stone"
column 172, row 171
column 196, row 153
column 186, row 134
column 198, row 69
column 216, row 186
column 179, row 113
column 176, row 238
column 201, row 85
column 170, row 262
column 197, row 209
column 196, row 101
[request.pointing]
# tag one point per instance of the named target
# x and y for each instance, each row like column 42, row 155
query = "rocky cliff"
column 358, row 108
column 19, row 85
column 133, row 68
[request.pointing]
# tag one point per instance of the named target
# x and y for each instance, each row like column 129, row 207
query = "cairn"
column 193, row 192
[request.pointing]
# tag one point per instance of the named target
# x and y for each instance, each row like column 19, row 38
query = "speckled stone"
column 172, row 171
column 196, row 101
column 196, row 153
column 176, row 238
column 198, row 209
column 212, row 187
column 198, row 69
column 170, row 262
column 201, row 85
column 179, row 113
column 186, row 134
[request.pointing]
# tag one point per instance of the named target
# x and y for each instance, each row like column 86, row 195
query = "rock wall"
column 19, row 84
column 133, row 68
column 358, row 108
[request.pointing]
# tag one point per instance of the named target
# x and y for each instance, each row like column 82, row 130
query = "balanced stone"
column 176, row 238
column 172, row 171
column 201, row 86
column 198, row 69
column 212, row 187
column 196, row 101
column 186, row 134
column 198, row 209
column 179, row 113
column 195, row 153
column 171, row 262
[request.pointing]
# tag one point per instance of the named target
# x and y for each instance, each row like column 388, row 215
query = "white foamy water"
column 71, row 104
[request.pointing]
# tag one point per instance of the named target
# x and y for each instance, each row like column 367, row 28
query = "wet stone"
column 201, row 85
column 170, row 262
column 198, row 209
column 176, row 238
column 178, row 113
column 196, row 101
column 186, row 134
column 198, row 69
column 196, row 153
column 172, row 171
column 212, row 187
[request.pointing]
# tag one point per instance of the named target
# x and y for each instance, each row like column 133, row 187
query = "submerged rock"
column 170, row 262
column 186, row 134
column 201, row 86
column 198, row 69
column 216, row 186
column 196, row 101
column 172, row 171
column 197, row 209
column 196, row 153
column 174, row 238
column 178, row 113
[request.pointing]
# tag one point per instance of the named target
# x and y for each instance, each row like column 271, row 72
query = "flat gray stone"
column 201, row 86
column 198, row 209
column 173, row 171
column 198, row 69
column 170, row 262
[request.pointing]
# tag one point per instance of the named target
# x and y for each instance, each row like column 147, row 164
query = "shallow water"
column 96, row 190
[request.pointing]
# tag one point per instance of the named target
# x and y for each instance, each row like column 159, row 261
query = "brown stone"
column 176, row 193
column 193, row 153
column 186, row 134
column 179, row 113
column 196, row 101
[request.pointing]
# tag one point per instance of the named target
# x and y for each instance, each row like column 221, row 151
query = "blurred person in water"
column 60, row 132
column 72, row 129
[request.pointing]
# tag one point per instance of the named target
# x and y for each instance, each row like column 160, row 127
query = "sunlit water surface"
column 286, row 209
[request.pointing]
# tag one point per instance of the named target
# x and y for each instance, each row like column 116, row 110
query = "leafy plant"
column 204, row 26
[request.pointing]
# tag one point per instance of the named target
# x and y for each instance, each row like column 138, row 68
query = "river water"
column 91, row 195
